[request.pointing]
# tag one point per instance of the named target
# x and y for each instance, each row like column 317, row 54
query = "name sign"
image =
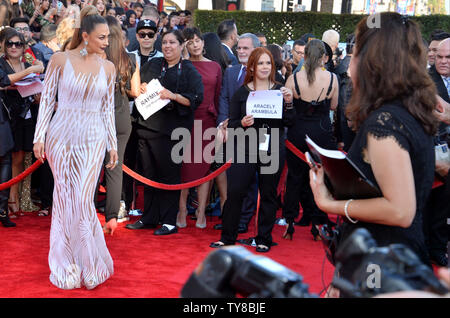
column 149, row 102
column 265, row 104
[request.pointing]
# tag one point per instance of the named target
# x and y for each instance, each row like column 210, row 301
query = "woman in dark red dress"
column 197, row 162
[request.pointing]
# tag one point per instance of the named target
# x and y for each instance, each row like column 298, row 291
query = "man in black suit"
column 438, row 207
column 228, row 34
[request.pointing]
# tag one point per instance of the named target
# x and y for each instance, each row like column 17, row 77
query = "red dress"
column 195, row 166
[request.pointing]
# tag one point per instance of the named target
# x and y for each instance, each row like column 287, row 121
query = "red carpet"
column 145, row 265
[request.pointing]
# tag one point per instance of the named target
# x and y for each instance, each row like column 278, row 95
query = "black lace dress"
column 393, row 120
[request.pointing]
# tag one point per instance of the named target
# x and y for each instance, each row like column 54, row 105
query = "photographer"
column 394, row 142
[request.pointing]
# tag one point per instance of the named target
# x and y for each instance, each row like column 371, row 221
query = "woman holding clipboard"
column 260, row 77
column 392, row 110
column 184, row 88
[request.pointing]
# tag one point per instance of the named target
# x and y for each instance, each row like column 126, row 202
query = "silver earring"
column 83, row 51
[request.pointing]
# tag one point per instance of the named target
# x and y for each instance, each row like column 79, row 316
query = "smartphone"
column 312, row 164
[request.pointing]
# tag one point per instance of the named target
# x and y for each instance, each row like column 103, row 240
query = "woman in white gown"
column 75, row 140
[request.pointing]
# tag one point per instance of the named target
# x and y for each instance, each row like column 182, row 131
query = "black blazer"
column 442, row 92
column 190, row 86
column 439, row 82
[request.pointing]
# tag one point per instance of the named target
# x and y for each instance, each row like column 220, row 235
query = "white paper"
column 32, row 88
column 28, row 80
column 149, row 102
column 325, row 152
column 265, row 104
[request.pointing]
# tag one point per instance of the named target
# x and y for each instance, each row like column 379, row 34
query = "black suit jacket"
column 440, row 86
column 442, row 92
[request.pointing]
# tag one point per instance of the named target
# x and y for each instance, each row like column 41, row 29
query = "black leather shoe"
column 139, row 226
column 439, row 258
column 218, row 226
column 164, row 230
column 243, row 228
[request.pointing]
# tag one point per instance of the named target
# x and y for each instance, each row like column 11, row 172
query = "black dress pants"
column 298, row 190
column 154, row 151
column 5, row 175
column 240, row 177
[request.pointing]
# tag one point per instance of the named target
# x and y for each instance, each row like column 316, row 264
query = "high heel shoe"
column 13, row 210
column 289, row 233
column 315, row 232
column 180, row 217
column 200, row 225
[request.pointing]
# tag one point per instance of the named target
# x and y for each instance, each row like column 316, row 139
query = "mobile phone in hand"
column 312, row 164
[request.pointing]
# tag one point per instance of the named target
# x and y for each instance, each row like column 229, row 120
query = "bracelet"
column 346, row 212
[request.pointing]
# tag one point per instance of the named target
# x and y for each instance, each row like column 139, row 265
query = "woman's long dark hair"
column 215, row 51
column 392, row 65
column 314, row 52
column 117, row 54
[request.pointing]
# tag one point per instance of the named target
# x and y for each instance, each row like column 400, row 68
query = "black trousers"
column 298, row 191
column 154, row 151
column 437, row 211
column 5, row 175
column 240, row 177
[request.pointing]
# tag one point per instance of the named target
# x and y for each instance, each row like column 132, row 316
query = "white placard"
column 265, row 104
column 149, row 102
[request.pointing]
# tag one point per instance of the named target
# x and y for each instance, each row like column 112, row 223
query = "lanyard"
column 164, row 70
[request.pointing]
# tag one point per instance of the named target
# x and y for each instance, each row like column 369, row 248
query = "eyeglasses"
column 299, row 52
column 150, row 35
column 10, row 44
column 24, row 29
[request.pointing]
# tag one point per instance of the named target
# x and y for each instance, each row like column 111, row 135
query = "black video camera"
column 366, row 270
column 234, row 270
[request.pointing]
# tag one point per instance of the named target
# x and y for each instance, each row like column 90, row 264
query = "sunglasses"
column 150, row 35
column 10, row 44
column 24, row 29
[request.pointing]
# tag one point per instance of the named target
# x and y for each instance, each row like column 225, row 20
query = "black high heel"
column 289, row 233
column 315, row 232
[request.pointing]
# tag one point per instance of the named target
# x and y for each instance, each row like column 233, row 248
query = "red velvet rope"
column 181, row 186
column 187, row 185
column 20, row 177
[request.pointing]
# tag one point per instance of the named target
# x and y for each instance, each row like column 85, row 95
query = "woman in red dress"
column 204, row 118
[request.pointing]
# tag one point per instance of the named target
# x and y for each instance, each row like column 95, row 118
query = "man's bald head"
column 443, row 58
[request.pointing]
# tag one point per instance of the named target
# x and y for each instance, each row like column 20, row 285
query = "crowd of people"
column 389, row 114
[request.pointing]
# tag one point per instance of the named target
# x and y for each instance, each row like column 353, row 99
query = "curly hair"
column 64, row 31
